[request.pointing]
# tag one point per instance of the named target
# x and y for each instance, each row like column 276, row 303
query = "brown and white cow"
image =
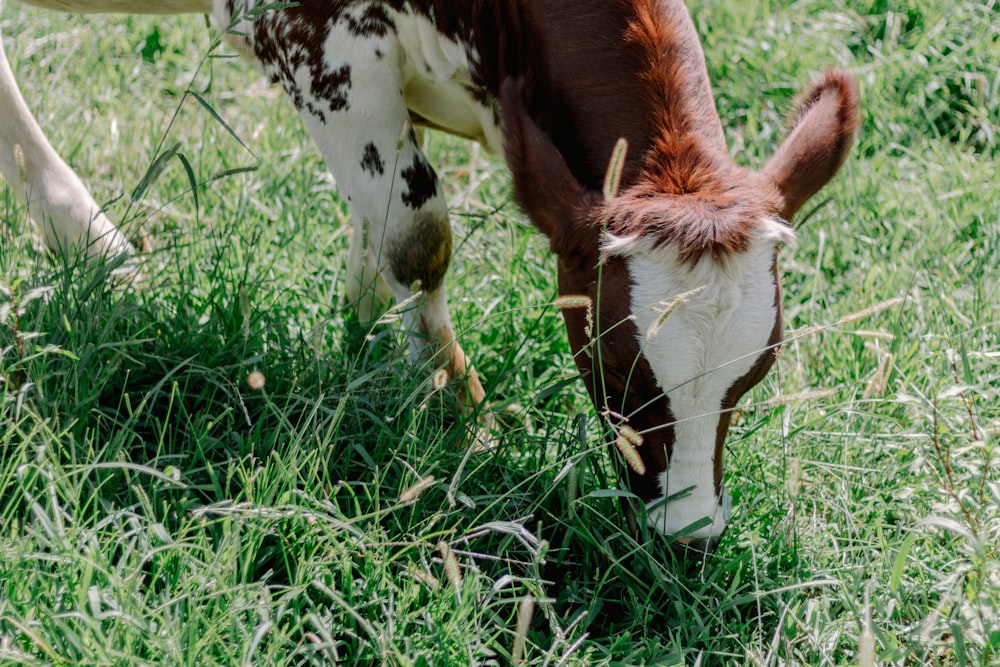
column 674, row 272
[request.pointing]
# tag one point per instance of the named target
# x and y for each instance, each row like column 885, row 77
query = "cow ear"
column 543, row 184
column 822, row 129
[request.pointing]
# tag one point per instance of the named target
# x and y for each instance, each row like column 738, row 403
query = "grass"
column 157, row 509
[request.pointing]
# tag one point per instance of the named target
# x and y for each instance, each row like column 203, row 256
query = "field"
column 157, row 509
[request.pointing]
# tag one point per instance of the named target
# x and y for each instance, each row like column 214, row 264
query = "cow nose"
column 695, row 548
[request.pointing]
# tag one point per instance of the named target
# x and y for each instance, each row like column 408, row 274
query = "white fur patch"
column 701, row 328
column 437, row 79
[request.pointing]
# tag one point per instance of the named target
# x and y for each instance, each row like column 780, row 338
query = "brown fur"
column 822, row 127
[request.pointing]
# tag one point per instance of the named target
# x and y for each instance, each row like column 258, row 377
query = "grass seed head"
column 670, row 306
column 451, row 568
column 440, row 379
column 871, row 310
column 879, row 382
column 525, row 610
column 802, row 397
column 631, row 456
column 569, row 301
column 424, row 577
column 256, row 380
column 413, row 491
column 613, row 176
column 630, row 434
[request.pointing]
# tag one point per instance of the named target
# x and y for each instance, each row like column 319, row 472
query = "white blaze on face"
column 697, row 352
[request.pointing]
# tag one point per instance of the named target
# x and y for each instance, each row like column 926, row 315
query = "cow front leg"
column 406, row 255
column 417, row 251
column 411, row 250
column 342, row 68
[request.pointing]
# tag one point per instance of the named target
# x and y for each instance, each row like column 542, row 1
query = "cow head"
column 670, row 288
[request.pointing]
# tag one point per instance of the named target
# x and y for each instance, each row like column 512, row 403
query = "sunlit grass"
column 158, row 507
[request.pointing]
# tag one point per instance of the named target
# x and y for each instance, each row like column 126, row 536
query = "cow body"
column 673, row 274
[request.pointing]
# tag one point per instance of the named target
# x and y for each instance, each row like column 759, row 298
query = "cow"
column 667, row 260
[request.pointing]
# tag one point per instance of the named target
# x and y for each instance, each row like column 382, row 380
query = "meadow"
column 158, row 508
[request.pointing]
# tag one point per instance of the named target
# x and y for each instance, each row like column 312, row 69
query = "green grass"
column 155, row 509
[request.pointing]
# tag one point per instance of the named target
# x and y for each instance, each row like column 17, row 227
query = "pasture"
column 214, row 464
